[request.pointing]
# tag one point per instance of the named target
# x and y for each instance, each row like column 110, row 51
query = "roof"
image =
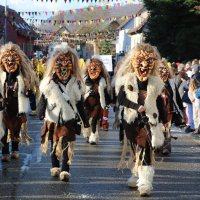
column 127, row 10
column 124, row 23
column 137, row 29
column 62, row 29
column 98, row 27
column 16, row 22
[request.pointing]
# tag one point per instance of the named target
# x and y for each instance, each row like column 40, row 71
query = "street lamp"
column 5, row 24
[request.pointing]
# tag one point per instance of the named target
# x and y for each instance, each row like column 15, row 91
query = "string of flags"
column 70, row 1
column 72, row 11
column 75, row 38
column 77, row 22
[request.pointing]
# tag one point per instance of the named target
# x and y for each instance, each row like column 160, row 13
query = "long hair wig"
column 127, row 67
column 104, row 72
column 26, row 68
column 59, row 50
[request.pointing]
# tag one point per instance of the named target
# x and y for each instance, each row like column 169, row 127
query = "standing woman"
column 60, row 105
column 138, row 89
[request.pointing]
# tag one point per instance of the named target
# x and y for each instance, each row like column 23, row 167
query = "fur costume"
column 138, row 88
column 60, row 106
column 173, row 103
column 154, row 88
column 97, row 93
column 17, row 80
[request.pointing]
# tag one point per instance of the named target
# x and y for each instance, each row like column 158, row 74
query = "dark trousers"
column 32, row 99
column 55, row 162
column 14, row 146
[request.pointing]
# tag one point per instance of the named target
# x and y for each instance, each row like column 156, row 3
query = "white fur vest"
column 57, row 101
column 154, row 88
column 102, row 86
column 23, row 101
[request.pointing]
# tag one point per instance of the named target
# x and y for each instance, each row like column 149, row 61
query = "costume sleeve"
column 122, row 100
column 162, row 112
column 107, row 97
column 42, row 107
column 82, row 113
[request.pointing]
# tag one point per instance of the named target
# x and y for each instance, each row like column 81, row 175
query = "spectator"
column 194, row 86
column 188, row 104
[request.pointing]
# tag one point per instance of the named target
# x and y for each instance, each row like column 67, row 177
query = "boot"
column 94, row 138
column 5, row 158
column 166, row 150
column 145, row 174
column 55, row 172
column 64, row 176
column 15, row 155
column 132, row 181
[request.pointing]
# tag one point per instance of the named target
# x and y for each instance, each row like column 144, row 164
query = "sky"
column 39, row 6
column 34, row 5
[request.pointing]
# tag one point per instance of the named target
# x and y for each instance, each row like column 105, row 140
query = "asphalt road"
column 94, row 173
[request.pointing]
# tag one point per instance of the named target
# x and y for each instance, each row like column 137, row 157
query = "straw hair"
column 26, row 68
column 60, row 50
column 164, row 63
column 126, row 66
column 104, row 72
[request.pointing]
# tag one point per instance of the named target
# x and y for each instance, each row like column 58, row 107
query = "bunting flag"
column 75, row 39
column 79, row 1
column 76, row 22
column 73, row 11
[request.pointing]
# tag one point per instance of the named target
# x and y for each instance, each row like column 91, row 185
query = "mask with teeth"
column 94, row 69
column 10, row 61
column 143, row 64
column 164, row 73
column 63, row 66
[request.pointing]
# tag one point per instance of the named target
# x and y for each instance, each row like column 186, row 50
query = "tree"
column 174, row 27
column 105, row 47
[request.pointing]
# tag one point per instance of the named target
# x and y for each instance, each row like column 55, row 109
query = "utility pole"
column 5, row 24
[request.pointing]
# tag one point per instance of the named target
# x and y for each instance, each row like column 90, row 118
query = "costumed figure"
column 172, row 104
column 17, row 81
column 138, row 88
column 97, row 97
column 61, row 105
column 41, row 67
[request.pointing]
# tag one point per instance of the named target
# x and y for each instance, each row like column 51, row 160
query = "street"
column 94, row 173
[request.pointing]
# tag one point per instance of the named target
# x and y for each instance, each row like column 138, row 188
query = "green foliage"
column 105, row 47
column 174, row 27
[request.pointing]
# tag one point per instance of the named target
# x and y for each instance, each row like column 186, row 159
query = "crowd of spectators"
column 187, row 79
